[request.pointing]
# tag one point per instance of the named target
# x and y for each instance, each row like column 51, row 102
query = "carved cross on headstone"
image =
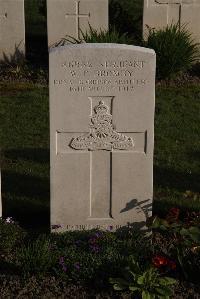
column 101, row 142
column 78, row 16
column 175, row 2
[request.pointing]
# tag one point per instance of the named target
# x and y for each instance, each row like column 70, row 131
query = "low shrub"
column 175, row 50
column 22, row 73
column 93, row 257
column 85, row 257
column 103, row 36
column 11, row 235
column 96, row 36
column 37, row 257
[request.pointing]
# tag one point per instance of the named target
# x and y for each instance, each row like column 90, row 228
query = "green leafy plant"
column 99, row 36
column 102, row 36
column 175, row 50
column 188, row 235
column 147, row 283
column 37, row 257
column 185, row 246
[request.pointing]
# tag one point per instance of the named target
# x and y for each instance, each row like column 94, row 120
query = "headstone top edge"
column 102, row 46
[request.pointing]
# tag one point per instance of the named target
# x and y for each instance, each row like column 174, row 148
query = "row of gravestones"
column 68, row 17
column 65, row 17
column 102, row 99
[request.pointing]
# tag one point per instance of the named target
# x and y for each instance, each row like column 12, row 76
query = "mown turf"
column 24, row 139
column 177, row 148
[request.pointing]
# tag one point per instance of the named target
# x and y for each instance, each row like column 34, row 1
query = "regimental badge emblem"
column 102, row 135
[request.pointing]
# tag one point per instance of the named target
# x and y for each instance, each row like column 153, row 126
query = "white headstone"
column 70, row 17
column 101, row 128
column 160, row 13
column 12, row 30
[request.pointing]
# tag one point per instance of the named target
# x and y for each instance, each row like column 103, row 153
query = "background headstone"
column 101, row 127
column 160, row 13
column 12, row 30
column 70, row 17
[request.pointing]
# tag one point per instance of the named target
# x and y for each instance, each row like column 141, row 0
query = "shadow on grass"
column 195, row 156
column 180, row 181
column 130, row 14
column 36, row 33
column 37, row 50
column 38, row 155
column 26, row 197
column 30, row 215
column 25, row 185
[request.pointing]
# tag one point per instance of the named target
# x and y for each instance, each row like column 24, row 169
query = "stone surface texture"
column 160, row 13
column 102, row 135
column 70, row 17
column 12, row 30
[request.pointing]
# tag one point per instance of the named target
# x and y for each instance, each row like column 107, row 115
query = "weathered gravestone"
column 12, row 30
column 160, row 13
column 101, row 127
column 70, row 17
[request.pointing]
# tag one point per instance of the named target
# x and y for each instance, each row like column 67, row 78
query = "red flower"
column 173, row 215
column 161, row 261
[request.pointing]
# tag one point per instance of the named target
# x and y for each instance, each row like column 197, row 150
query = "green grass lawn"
column 25, row 153
column 24, row 139
column 177, row 148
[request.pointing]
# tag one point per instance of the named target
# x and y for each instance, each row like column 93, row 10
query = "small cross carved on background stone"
column 78, row 16
column 175, row 2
